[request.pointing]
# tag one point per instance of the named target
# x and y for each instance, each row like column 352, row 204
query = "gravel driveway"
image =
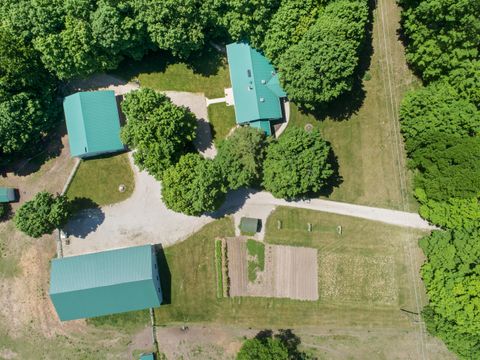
column 141, row 219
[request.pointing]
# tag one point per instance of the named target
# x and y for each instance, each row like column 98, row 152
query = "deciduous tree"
column 297, row 164
column 158, row 130
column 240, row 157
column 193, row 186
column 42, row 214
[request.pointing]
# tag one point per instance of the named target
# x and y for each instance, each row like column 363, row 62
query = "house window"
column 249, row 73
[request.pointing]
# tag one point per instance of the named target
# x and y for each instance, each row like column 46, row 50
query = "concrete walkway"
column 215, row 101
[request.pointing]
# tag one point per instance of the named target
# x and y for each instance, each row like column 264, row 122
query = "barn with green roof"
column 93, row 123
column 257, row 94
column 104, row 283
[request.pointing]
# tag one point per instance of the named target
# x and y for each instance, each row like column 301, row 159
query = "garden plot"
column 287, row 272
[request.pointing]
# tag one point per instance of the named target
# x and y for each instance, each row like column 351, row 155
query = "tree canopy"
column 441, row 34
column 158, row 130
column 240, row 157
column 435, row 111
column 321, row 66
column 297, row 164
column 193, row 186
column 43, row 214
column 268, row 349
column 452, row 279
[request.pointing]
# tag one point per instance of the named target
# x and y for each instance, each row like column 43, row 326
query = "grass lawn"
column 366, row 267
column 207, row 73
column 222, row 119
column 256, row 253
column 97, row 180
column 365, row 142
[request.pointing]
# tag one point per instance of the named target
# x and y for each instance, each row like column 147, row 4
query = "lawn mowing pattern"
column 256, row 258
column 96, row 180
column 219, row 267
column 222, row 120
column 193, row 281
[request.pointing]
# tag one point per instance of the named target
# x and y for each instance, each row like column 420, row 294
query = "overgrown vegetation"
column 129, row 321
column 256, row 258
column 441, row 124
column 219, row 267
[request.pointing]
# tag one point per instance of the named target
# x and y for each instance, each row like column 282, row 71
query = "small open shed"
column 7, row 195
column 148, row 356
column 249, row 225
column 106, row 282
column 93, row 123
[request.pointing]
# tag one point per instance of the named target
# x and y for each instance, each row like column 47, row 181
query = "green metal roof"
column 6, row 194
column 93, row 123
column 256, row 89
column 105, row 283
column 147, row 357
column 263, row 125
column 249, row 225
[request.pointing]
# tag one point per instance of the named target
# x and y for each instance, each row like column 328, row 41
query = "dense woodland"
column 441, row 124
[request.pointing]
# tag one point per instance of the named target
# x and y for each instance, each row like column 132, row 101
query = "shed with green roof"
column 7, row 195
column 249, row 225
column 104, row 283
column 93, row 123
column 147, row 356
column 256, row 88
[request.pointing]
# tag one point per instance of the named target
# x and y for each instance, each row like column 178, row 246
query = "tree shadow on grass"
column 205, row 62
column 88, row 216
column 165, row 275
column 335, row 179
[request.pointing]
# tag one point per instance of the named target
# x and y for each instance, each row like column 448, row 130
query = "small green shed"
column 7, row 195
column 249, row 225
column 104, row 283
column 93, row 123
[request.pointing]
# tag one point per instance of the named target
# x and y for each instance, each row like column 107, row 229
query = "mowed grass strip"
column 256, row 258
column 222, row 120
column 97, row 180
column 193, row 283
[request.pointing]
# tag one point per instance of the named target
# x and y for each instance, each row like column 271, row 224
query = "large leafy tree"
column 247, row 19
column 42, row 214
column 465, row 80
column 24, row 120
column 177, row 25
column 268, row 349
column 321, row 66
column 193, row 186
column 240, row 157
column 441, row 34
column 449, row 168
column 297, row 164
column 452, row 279
column 288, row 25
column 431, row 112
column 158, row 130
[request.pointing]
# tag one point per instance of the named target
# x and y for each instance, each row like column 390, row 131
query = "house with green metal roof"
column 104, row 283
column 93, row 123
column 256, row 88
column 7, row 195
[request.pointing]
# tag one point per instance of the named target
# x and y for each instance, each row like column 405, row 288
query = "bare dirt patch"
column 290, row 272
